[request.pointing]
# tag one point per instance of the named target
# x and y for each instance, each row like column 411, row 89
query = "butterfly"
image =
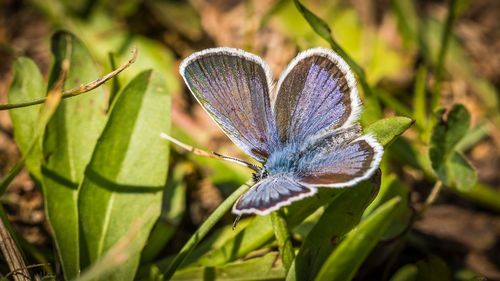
column 304, row 132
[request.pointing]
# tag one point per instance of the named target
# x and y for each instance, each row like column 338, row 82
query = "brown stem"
column 77, row 90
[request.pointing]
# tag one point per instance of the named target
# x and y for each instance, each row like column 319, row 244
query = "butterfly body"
column 304, row 132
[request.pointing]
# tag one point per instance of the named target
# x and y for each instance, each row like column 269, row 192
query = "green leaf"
column 69, row 140
column 344, row 262
column 122, row 251
column 127, row 172
column 267, row 267
column 319, row 26
column 346, row 211
column 450, row 166
column 27, row 84
column 173, row 209
column 388, row 129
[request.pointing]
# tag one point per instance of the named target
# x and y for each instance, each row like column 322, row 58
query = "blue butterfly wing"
column 233, row 87
column 316, row 94
column 341, row 158
column 271, row 194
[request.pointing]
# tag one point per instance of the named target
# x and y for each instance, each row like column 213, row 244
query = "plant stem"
column 78, row 90
column 283, row 238
column 432, row 197
column 204, row 229
column 445, row 39
column 12, row 255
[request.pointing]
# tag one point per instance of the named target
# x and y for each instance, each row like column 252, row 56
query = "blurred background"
column 393, row 41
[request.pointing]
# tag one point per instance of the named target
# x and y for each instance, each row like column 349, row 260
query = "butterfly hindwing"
column 342, row 158
column 233, row 87
column 315, row 94
column 271, row 194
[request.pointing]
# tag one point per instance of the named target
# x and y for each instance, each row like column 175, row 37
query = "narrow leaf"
column 344, row 262
column 127, row 172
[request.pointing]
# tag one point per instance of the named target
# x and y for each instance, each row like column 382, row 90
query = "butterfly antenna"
column 204, row 153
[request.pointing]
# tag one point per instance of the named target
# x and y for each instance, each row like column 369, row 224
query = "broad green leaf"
column 27, row 84
column 122, row 251
column 388, row 129
column 267, row 267
column 451, row 167
column 69, row 140
column 341, row 215
column 345, row 260
column 127, row 172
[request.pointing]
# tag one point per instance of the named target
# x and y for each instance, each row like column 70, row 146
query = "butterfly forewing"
column 233, row 87
column 315, row 94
